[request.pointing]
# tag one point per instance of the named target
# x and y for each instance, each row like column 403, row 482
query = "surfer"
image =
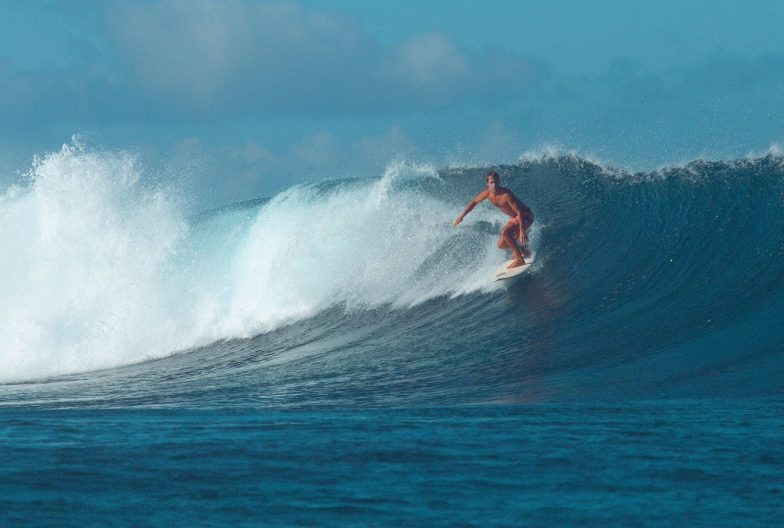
column 521, row 217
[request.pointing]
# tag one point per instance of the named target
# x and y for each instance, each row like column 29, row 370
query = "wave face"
column 360, row 292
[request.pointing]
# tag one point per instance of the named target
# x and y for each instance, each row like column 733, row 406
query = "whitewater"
column 102, row 271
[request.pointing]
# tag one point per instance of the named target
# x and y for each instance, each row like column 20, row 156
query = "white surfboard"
column 504, row 272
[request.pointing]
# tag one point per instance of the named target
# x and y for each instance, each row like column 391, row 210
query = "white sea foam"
column 362, row 245
column 100, row 271
column 84, row 250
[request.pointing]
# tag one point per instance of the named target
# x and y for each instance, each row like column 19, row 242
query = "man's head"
column 493, row 180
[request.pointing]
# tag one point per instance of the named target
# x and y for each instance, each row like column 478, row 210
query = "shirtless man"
column 507, row 202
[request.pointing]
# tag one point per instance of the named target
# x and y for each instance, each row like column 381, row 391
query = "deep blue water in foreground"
column 674, row 463
column 160, row 370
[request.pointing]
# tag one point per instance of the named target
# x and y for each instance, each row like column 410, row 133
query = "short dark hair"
column 494, row 174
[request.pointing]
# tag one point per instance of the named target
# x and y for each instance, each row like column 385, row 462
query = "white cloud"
column 207, row 49
column 427, row 61
column 213, row 57
column 207, row 61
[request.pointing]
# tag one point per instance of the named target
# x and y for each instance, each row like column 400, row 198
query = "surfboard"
column 504, row 273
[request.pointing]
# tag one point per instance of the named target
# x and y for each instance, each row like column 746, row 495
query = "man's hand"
column 457, row 220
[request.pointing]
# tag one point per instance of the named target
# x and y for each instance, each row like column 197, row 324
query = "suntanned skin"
column 508, row 203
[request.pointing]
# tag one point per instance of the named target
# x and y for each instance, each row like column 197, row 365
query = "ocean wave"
column 355, row 291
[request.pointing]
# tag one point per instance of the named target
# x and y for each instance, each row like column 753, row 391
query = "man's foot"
column 516, row 264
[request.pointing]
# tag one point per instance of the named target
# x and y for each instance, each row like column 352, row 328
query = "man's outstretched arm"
column 478, row 198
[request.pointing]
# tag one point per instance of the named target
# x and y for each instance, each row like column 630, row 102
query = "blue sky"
column 240, row 99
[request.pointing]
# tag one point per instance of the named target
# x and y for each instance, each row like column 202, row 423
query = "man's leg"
column 507, row 241
column 518, row 255
column 502, row 239
column 528, row 219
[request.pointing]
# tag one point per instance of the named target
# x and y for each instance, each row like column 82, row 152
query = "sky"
column 240, row 99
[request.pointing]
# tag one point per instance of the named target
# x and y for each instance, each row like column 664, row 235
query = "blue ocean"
column 337, row 354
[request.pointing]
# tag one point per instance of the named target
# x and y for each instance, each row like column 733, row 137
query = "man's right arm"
column 478, row 198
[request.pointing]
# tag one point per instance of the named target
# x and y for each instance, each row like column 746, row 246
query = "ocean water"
column 337, row 355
